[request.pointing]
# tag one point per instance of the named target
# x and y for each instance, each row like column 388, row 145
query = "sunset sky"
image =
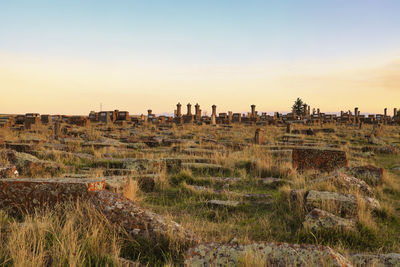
column 67, row 57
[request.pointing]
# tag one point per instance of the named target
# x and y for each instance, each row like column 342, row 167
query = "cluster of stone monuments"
column 314, row 117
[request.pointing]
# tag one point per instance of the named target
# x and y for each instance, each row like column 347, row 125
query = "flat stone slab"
column 344, row 181
column 274, row 254
column 223, row 203
column 368, row 173
column 202, row 151
column 342, row 204
column 380, row 260
column 29, row 193
column 273, row 181
column 319, row 219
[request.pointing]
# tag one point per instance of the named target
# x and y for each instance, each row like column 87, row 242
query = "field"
column 218, row 184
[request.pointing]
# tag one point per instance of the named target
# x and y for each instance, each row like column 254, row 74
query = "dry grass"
column 132, row 191
column 74, row 236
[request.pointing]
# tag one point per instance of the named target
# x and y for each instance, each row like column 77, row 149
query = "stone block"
column 322, row 159
column 28, row 193
column 319, row 219
column 274, row 254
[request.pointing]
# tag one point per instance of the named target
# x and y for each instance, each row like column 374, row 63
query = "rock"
column 32, row 166
column 28, row 193
column 270, row 254
column 203, row 152
column 116, row 184
column 392, row 150
column 223, row 203
column 369, row 173
column 136, row 220
column 337, row 203
column 381, row 260
column 144, row 165
column 322, row 159
column 319, row 219
column 8, row 171
column 344, row 181
column 207, row 168
column 270, row 181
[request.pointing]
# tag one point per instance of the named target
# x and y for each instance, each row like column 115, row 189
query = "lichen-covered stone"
column 319, row 219
column 322, row 159
column 368, row 173
column 273, row 254
column 344, row 181
column 338, row 203
column 30, row 165
column 223, row 203
column 380, row 260
column 136, row 220
column 29, row 193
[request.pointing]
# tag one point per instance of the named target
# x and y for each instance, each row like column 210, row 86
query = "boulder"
column 319, row 219
column 268, row 254
column 322, row 159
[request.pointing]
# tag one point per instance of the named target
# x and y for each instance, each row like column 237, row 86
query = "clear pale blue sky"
column 136, row 55
column 228, row 31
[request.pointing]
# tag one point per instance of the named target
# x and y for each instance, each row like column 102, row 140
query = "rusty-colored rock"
column 322, row 159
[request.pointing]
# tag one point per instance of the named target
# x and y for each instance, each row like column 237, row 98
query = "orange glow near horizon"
column 60, row 86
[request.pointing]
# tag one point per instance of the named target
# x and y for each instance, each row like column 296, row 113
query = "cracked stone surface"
column 223, row 203
column 345, row 181
column 274, row 254
column 136, row 220
column 381, row 260
column 319, row 219
column 368, row 173
column 342, row 204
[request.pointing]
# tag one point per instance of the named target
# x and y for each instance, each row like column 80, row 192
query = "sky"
column 67, row 57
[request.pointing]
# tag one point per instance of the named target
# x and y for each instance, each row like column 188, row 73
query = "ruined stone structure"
column 31, row 120
column 123, row 118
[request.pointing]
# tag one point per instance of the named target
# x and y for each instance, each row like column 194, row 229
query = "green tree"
column 298, row 107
